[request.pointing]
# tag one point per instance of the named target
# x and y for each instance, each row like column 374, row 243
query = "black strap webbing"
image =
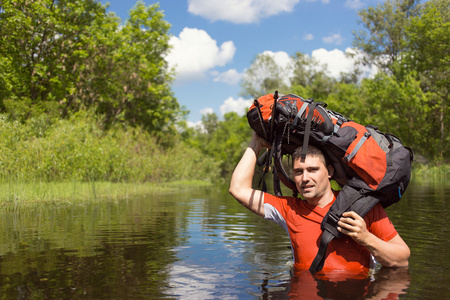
column 319, row 260
column 349, row 199
column 312, row 107
column 261, row 120
column 276, row 183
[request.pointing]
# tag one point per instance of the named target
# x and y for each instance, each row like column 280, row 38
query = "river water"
column 201, row 244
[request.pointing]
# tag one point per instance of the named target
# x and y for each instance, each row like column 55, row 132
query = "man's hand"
column 260, row 141
column 354, row 226
column 392, row 253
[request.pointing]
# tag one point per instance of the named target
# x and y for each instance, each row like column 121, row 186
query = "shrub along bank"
column 78, row 149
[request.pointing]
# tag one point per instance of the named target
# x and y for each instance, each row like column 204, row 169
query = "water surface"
column 201, row 245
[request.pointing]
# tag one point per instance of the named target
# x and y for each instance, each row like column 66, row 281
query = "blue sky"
column 214, row 41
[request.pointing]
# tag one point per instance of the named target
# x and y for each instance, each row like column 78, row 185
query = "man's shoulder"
column 287, row 199
column 285, row 202
column 377, row 213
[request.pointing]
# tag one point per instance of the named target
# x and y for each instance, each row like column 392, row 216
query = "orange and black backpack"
column 371, row 166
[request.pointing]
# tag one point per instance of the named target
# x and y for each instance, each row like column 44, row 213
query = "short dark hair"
column 312, row 151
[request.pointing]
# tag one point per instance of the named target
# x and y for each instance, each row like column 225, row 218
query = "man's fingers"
column 350, row 225
column 345, row 225
column 351, row 214
column 348, row 221
column 345, row 231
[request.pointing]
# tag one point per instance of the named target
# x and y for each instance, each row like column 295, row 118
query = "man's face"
column 312, row 178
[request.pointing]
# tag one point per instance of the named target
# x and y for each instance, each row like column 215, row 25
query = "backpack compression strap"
column 308, row 124
column 349, row 199
column 312, row 107
column 278, row 166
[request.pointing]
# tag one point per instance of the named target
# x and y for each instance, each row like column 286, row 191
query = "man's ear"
column 330, row 171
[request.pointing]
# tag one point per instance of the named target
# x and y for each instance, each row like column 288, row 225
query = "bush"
column 78, row 149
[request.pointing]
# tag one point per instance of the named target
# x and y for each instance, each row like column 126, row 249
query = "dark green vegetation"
column 84, row 97
column 78, row 149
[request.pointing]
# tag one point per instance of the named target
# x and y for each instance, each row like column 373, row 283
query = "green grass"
column 424, row 173
column 74, row 192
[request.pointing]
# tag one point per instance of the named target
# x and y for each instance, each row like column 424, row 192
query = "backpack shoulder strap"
column 319, row 260
column 349, row 199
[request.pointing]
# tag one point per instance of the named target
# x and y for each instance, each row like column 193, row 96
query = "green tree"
column 34, row 49
column 400, row 108
column 229, row 141
column 222, row 140
column 136, row 74
column 348, row 99
column 409, row 42
column 264, row 76
column 309, row 78
column 428, row 40
column 210, row 122
column 303, row 75
column 67, row 56
column 384, row 38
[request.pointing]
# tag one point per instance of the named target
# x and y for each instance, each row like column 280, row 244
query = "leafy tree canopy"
column 60, row 57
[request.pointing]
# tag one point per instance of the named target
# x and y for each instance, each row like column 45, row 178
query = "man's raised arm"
column 242, row 178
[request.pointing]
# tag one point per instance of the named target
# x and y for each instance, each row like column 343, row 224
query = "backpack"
column 371, row 166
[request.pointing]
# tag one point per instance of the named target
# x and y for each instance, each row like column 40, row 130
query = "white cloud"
column 194, row 53
column 335, row 38
column 308, row 37
column 206, row 111
column 338, row 61
column 354, row 4
column 197, row 125
column 239, row 11
column 281, row 58
column 260, row 70
column 230, row 77
column 323, row 1
column 284, row 61
column 239, row 106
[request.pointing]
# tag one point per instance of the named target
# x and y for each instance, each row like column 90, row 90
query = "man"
column 373, row 236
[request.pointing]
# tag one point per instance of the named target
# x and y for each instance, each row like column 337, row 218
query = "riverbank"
column 35, row 191
column 425, row 173
column 16, row 193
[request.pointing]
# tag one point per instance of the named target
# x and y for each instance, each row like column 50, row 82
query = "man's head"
column 312, row 175
column 312, row 151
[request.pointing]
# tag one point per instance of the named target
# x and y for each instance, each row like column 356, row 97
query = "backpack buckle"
column 334, row 217
column 330, row 224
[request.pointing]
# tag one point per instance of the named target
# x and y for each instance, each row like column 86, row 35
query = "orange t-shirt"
column 302, row 223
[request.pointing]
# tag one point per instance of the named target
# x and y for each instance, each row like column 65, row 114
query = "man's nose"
column 305, row 176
